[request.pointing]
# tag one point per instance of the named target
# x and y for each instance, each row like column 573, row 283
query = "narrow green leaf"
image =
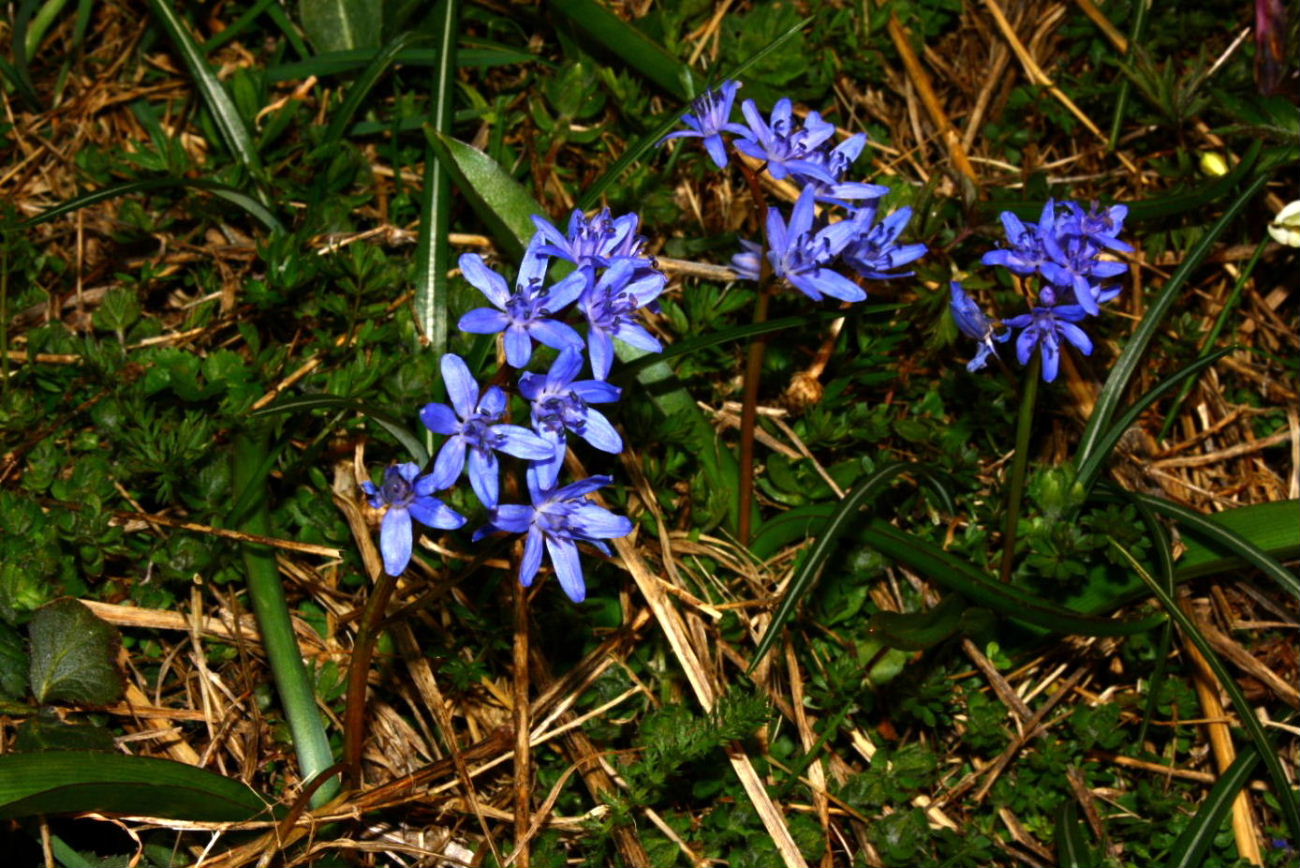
column 74, row 655
column 917, row 631
column 957, row 575
column 800, row 523
column 844, row 517
column 359, row 92
column 340, row 25
column 18, row 72
column 433, row 253
column 1282, row 788
column 40, row 25
column 297, row 696
column 630, row 45
column 1216, row 534
column 1131, row 358
column 1193, row 844
column 1091, row 467
column 1271, row 528
column 236, row 27
column 389, row 422
column 339, row 62
column 592, row 196
column 215, row 97
column 1072, row 848
column 78, row 781
column 254, row 208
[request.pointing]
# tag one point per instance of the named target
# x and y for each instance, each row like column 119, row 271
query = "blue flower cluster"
column 806, row 249
column 1063, row 250
column 610, row 281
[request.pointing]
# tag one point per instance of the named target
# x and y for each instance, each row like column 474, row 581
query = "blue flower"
column 610, row 307
column 974, row 324
column 524, row 315
column 558, row 520
column 560, row 404
column 474, row 425
column 801, row 256
column 594, row 243
column 1099, row 225
column 1027, row 251
column 786, row 149
column 712, row 118
column 1074, row 266
column 874, row 251
column 407, row 497
column 1044, row 327
column 836, row 164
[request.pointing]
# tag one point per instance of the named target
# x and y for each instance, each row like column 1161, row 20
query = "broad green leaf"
column 215, row 97
column 73, row 654
column 341, row 25
column 1283, row 790
column 630, row 46
column 45, row 732
column 1194, row 843
column 498, row 199
column 78, row 781
column 1127, row 366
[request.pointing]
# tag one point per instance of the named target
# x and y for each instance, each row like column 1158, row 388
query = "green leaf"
column 1270, row 528
column 119, row 310
column 73, row 655
column 630, row 46
column 46, row 732
column 1282, row 788
column 844, row 517
column 1091, row 468
column 360, row 91
column 254, row 208
column 78, row 781
column 389, row 422
column 802, row 522
column 917, row 631
column 1124, row 369
column 1193, row 844
column 1072, row 848
column 498, row 199
column 232, row 126
column 340, row 25
column 957, row 575
column 339, row 62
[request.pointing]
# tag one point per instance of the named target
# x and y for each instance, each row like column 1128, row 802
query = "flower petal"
column 532, row 558
column 519, row 346
column 568, row 567
column 462, row 388
column 395, row 540
column 600, row 433
column 449, row 463
column 484, row 279
column 483, row 321
column 432, row 512
column 520, row 442
column 485, row 477
column 599, row 523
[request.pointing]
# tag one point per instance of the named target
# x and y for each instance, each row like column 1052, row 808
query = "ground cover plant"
column 649, row 434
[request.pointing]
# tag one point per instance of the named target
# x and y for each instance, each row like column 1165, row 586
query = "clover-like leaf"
column 72, row 655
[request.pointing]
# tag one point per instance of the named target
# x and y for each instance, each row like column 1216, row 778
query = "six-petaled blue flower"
column 711, row 119
column 560, row 403
column 407, row 495
column 802, row 253
column 557, row 520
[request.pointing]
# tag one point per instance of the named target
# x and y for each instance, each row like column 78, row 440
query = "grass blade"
column 236, row 27
column 1091, row 468
column 1282, row 790
column 232, row 126
column 652, row 139
column 845, row 514
column 386, row 420
column 630, row 45
column 1129, row 361
column 1192, row 845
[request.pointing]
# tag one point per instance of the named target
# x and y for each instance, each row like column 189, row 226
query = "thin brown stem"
column 522, row 723
column 354, row 716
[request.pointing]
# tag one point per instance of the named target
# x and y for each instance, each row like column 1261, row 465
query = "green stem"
column 1229, row 307
column 272, row 611
column 1016, row 491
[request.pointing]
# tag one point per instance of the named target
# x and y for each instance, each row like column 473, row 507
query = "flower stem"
column 1016, row 491
column 250, row 471
column 363, row 649
column 753, row 371
column 523, row 750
